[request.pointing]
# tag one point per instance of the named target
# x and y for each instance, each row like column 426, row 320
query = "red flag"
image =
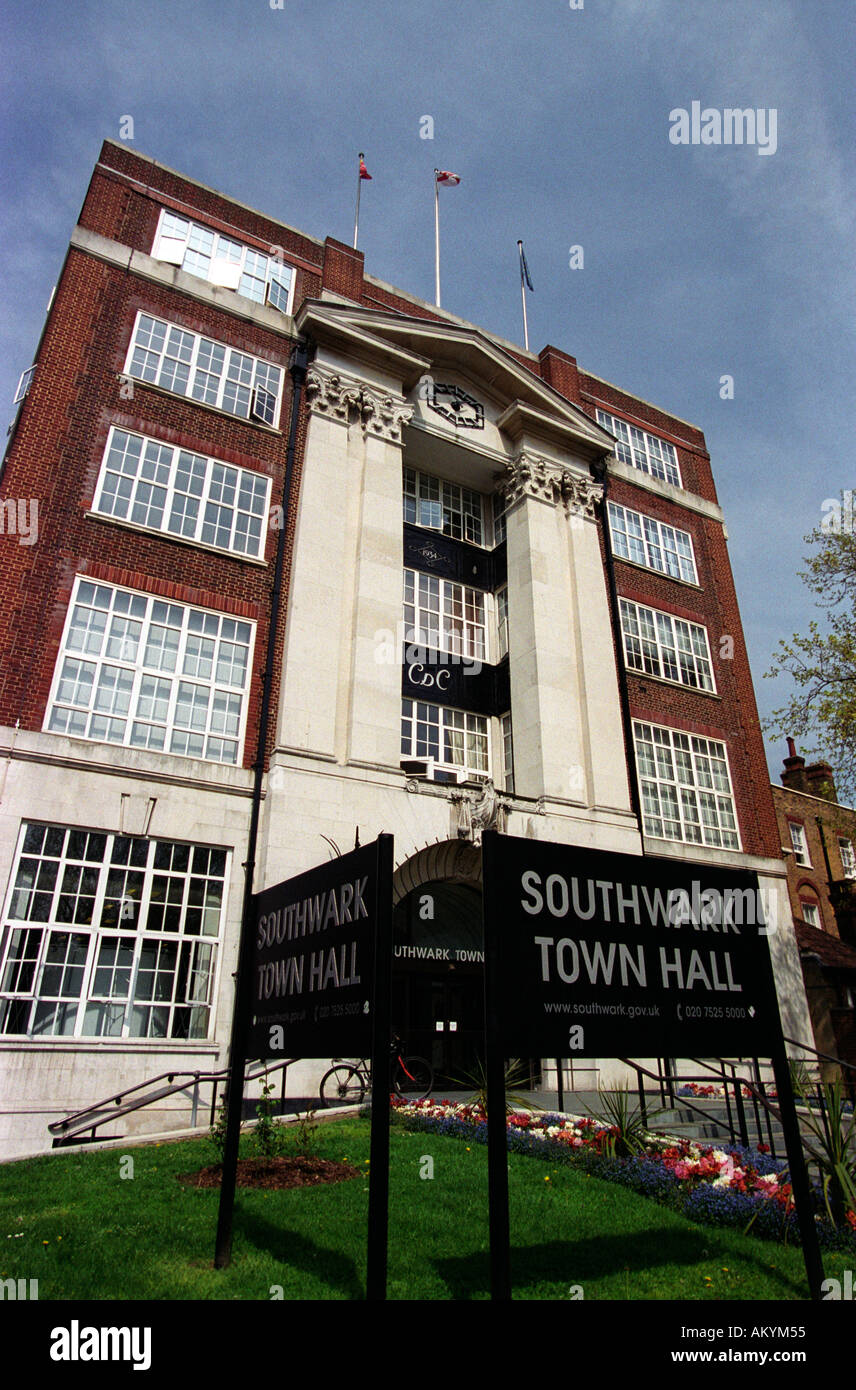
column 445, row 177
column 364, row 173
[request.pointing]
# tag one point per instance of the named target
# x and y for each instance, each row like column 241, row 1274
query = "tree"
column 823, row 663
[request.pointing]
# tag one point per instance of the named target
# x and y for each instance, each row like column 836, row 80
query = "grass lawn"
column 85, row 1232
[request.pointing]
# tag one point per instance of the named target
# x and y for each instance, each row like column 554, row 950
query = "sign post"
column 320, row 981
column 615, row 955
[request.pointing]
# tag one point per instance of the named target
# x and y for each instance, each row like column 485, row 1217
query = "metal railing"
column 113, row 1107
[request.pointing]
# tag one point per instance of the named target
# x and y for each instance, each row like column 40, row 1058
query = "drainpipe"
column 300, row 358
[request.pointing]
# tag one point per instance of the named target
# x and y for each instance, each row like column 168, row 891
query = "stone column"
column 566, row 716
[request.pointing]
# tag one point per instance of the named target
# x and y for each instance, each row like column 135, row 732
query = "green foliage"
column 822, row 664
column 268, row 1133
column 834, row 1149
column 614, row 1109
column 516, row 1076
column 306, row 1133
column 217, row 1132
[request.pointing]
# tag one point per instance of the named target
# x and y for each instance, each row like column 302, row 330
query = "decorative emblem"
column 456, row 405
column 475, row 811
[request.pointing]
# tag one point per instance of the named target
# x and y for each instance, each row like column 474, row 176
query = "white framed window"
column 108, row 935
column 444, row 616
column 659, row 644
column 651, row 543
column 848, row 858
column 810, row 914
column 642, row 450
column 502, row 621
column 182, row 494
column 204, row 370
column 148, row 673
column 453, row 738
column 24, row 383
column 223, row 261
column 499, row 520
column 799, row 843
column 685, row 787
column 454, row 510
column 507, row 752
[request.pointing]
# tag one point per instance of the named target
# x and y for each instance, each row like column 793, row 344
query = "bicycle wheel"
column 414, row 1078
column 342, row 1086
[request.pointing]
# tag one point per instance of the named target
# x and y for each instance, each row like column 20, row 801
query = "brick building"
column 581, row 671
column 819, row 842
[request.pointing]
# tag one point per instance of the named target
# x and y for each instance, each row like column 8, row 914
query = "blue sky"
column 699, row 261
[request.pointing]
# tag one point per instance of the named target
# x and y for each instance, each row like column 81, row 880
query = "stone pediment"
column 406, row 350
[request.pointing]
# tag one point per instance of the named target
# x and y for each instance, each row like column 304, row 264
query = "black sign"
column 616, row 955
column 313, row 961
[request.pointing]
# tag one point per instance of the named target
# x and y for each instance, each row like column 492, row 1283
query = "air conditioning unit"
column 418, row 767
column 454, row 775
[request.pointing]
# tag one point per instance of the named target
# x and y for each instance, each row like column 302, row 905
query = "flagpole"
column 436, row 240
column 357, row 212
column 523, row 298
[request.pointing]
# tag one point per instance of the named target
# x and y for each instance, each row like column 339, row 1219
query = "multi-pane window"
column 799, row 844
column 652, row 543
column 452, row 737
column 183, row 494
column 190, row 365
column 444, row 616
column 454, row 510
column 642, row 450
column 810, row 914
column 685, row 786
column 502, row 620
column 507, row 752
column 223, row 261
column 848, row 858
column 147, row 673
column 110, row 936
column 659, row 644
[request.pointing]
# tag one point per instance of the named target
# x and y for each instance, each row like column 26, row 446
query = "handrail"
column 79, row 1119
column 827, row 1056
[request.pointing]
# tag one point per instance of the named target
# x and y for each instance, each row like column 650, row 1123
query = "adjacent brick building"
column 819, row 842
column 582, row 673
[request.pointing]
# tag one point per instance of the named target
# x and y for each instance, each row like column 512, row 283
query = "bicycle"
column 346, row 1083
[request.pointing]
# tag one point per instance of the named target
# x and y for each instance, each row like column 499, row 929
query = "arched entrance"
column 438, row 961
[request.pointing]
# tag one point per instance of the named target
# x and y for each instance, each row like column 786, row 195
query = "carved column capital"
column 343, row 398
column 530, row 475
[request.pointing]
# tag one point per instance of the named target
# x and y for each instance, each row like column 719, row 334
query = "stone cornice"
column 343, row 398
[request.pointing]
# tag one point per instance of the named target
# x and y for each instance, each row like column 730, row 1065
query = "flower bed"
column 730, row 1186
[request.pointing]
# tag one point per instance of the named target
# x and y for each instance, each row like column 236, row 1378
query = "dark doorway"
column 438, row 979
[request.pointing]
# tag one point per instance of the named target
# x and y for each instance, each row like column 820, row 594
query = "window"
column 24, row 383
column 110, row 936
column 507, row 752
column 502, row 620
column 204, row 370
column 444, row 616
column 799, row 843
column 810, row 914
column 848, row 859
column 182, row 494
column 452, row 737
column 147, row 673
column 442, row 506
column 659, row 644
column 222, row 261
column 651, row 543
column 642, row 450
column 685, row 787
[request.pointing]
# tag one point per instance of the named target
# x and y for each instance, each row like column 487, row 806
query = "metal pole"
column 243, row 977
column 436, row 240
column 357, row 213
column 377, row 1248
column 560, row 1085
column 523, row 297
column 799, row 1174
